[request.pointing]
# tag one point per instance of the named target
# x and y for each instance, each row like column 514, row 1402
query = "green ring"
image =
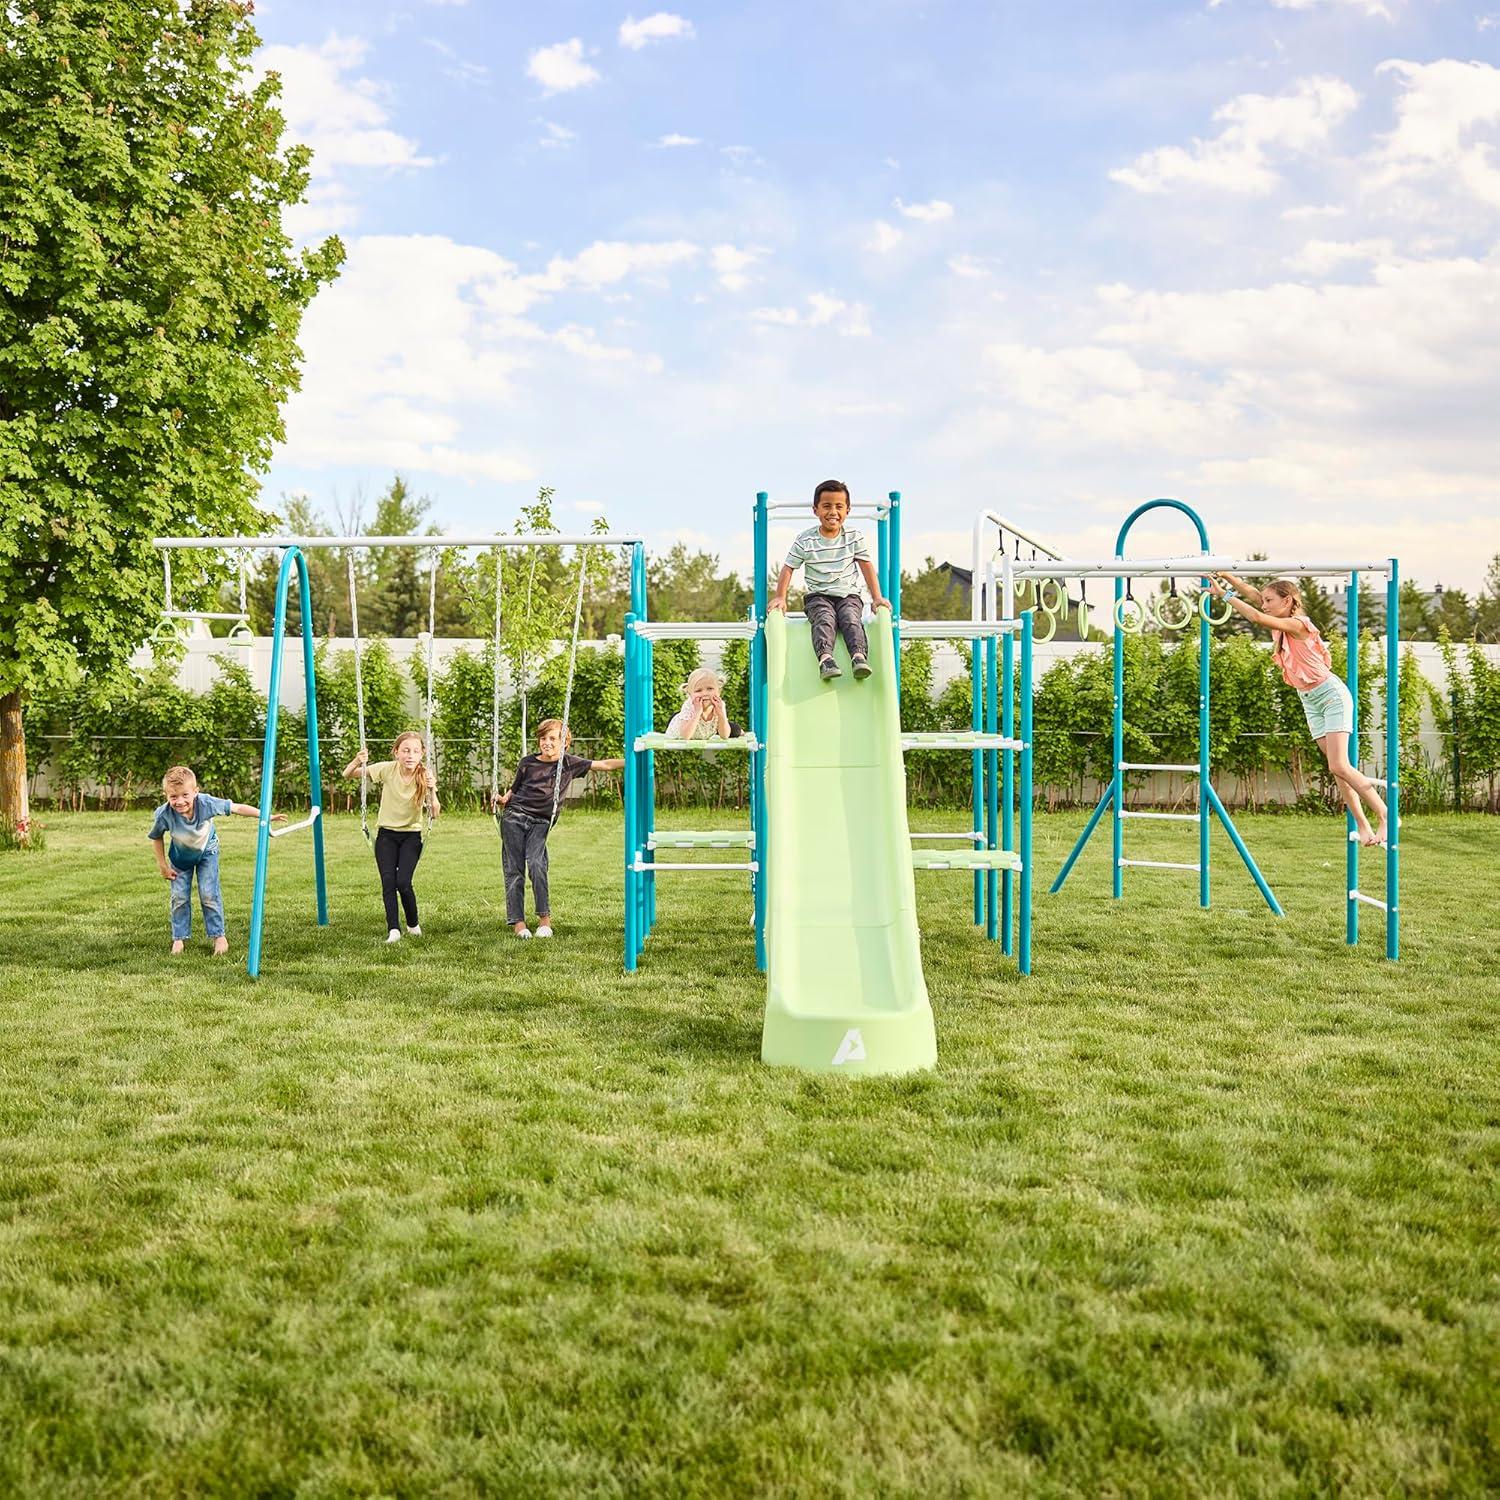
column 1205, row 608
column 1139, row 618
column 1168, row 624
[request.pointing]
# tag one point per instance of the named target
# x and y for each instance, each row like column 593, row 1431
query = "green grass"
column 1207, row 1205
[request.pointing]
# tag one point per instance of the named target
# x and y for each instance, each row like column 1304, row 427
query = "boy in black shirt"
column 532, row 805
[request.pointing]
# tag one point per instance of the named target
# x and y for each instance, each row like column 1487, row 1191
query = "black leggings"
column 396, row 856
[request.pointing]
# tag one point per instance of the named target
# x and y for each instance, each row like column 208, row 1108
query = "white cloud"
column 1441, row 109
column 732, row 264
column 661, row 27
column 972, row 267
column 557, row 135
column 1314, row 211
column 1319, row 257
column 1365, row 7
column 849, row 319
column 927, row 213
column 609, row 261
column 1238, row 159
column 668, row 141
column 560, row 67
column 883, row 238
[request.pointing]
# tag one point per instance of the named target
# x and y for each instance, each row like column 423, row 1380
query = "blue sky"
column 1050, row 259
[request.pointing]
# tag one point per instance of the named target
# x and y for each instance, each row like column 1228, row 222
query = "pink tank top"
column 1304, row 663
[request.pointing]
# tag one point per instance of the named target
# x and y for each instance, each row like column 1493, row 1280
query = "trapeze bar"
column 1179, row 567
column 430, row 543
column 1155, row 864
column 199, row 614
column 1155, row 765
column 1162, row 817
column 1368, row 900
column 307, row 822
column 695, row 630
column 651, row 867
column 944, row 630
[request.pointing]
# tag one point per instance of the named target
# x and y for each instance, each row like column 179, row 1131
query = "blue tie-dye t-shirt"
column 193, row 837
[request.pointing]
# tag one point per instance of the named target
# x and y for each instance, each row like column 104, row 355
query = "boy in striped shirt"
column 832, row 557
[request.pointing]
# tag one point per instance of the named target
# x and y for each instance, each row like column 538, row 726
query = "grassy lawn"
column 1208, row 1205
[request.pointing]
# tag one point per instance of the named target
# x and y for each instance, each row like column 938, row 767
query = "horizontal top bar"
column 1004, row 526
column 431, row 543
column 860, row 507
column 1180, row 567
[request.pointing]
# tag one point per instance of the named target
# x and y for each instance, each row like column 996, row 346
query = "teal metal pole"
column 992, row 811
column 630, row 792
column 1392, row 759
column 1234, row 837
column 1351, row 678
column 1117, row 784
column 1205, row 658
column 1008, row 781
column 976, row 763
column 314, row 769
column 759, row 717
column 1104, row 803
column 1026, row 793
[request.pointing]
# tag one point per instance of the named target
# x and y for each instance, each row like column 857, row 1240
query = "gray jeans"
column 523, row 848
column 824, row 611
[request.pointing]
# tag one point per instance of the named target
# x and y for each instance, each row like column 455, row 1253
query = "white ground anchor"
column 851, row 1049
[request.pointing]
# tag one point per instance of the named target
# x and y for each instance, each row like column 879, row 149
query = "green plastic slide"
column 845, row 990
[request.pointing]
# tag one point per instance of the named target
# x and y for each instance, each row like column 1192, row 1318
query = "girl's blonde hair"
column 1287, row 588
column 401, row 739
column 548, row 725
column 701, row 680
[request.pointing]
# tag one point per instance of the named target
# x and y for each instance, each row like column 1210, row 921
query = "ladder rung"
column 945, row 630
column 973, row 838
column 682, row 838
column 1157, row 864
column 695, row 630
column 965, row 859
column 959, row 740
column 656, row 741
column 1165, row 817
column 1149, row 765
column 1355, row 838
column 1368, row 900
column 652, row 867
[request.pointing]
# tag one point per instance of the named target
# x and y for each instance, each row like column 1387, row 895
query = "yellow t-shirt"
column 400, row 799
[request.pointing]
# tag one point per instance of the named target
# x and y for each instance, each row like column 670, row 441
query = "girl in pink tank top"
column 1307, row 665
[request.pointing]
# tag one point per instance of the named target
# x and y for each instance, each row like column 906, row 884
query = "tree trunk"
column 14, row 810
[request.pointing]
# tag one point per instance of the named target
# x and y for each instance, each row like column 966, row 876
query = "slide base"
column 863, row 1043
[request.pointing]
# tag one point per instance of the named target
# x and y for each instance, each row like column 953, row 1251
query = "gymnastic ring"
column 1206, row 609
column 1165, row 620
column 1131, row 624
column 1042, row 618
column 1081, row 619
column 1059, row 597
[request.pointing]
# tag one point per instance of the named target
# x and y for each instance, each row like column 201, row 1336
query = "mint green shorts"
column 1328, row 708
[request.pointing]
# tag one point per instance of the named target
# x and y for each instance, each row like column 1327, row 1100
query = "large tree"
column 150, row 303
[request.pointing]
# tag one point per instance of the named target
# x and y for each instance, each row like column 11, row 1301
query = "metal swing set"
column 293, row 550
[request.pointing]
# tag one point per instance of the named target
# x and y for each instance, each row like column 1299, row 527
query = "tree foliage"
column 148, row 328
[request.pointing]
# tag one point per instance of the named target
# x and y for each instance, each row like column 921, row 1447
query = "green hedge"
column 121, row 736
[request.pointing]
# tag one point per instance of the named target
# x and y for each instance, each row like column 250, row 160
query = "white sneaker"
column 414, row 932
column 525, row 932
column 544, row 931
column 394, row 935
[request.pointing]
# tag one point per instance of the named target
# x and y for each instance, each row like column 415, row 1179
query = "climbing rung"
column 306, row 822
column 946, row 630
column 653, row 866
column 1156, row 864
column 973, row 838
column 686, row 838
column 1164, row 817
column 1153, row 765
column 1368, row 900
column 695, row 630
column 959, row 740
column 1355, row 838
column 671, row 742
column 965, row 859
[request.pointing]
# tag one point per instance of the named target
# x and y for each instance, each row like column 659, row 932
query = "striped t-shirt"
column 827, row 562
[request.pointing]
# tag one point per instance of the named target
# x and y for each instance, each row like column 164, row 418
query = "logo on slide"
column 851, row 1049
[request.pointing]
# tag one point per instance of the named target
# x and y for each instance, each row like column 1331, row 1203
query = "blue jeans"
column 523, row 851
column 208, row 898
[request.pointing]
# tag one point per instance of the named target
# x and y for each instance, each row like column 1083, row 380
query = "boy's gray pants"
column 523, row 848
column 824, row 611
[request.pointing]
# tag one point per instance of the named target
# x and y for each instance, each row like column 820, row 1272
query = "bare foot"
column 1368, row 836
column 1380, row 835
column 221, row 947
column 176, row 945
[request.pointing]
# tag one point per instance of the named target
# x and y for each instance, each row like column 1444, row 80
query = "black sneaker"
column 862, row 668
column 828, row 669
